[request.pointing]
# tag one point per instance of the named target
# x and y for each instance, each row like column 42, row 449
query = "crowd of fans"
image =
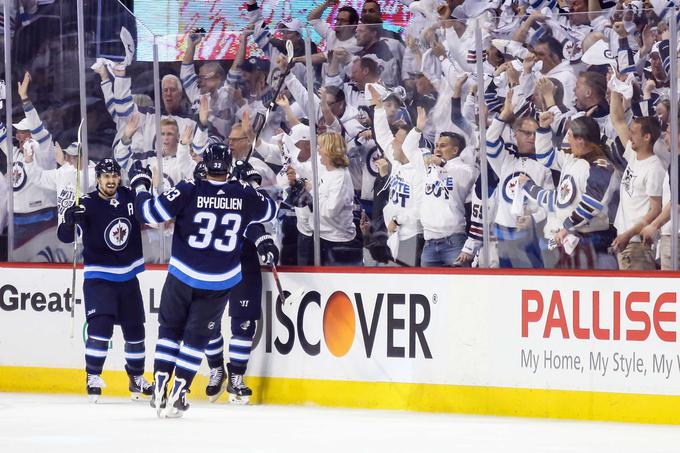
column 576, row 111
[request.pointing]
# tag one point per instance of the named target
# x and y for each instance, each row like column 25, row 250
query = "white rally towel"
column 517, row 208
column 599, row 54
column 393, row 244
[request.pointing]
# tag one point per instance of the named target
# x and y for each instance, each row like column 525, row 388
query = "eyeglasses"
column 525, row 132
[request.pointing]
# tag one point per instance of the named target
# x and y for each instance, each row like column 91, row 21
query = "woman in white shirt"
column 339, row 245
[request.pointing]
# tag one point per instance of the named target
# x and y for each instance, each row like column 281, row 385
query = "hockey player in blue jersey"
column 211, row 217
column 111, row 289
column 245, row 308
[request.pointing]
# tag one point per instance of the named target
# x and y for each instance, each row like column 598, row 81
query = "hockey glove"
column 74, row 215
column 269, row 253
column 140, row 177
column 246, row 173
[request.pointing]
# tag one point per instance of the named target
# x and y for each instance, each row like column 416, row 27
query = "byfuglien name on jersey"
column 219, row 203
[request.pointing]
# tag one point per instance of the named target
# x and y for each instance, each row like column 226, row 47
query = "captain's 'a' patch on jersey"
column 117, row 234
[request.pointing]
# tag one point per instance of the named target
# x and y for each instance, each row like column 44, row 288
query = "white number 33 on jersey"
column 171, row 194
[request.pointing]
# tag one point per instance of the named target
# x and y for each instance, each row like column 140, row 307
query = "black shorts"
column 122, row 300
column 190, row 310
column 245, row 300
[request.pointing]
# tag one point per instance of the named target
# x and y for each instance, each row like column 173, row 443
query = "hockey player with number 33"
column 211, row 217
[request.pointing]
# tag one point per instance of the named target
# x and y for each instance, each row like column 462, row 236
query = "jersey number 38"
column 229, row 226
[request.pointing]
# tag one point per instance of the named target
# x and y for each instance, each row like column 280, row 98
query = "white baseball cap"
column 299, row 132
column 72, row 149
column 292, row 25
column 22, row 125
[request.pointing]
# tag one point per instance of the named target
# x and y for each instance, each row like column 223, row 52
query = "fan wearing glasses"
column 511, row 152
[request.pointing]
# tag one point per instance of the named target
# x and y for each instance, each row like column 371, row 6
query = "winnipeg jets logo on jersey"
column 510, row 186
column 19, row 177
column 628, row 180
column 117, row 234
column 572, row 51
column 373, row 155
column 566, row 192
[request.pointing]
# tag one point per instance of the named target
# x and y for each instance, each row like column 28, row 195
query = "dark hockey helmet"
column 107, row 165
column 200, row 172
column 217, row 159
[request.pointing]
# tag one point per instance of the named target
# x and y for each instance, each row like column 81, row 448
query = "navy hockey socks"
column 214, row 353
column 134, row 357
column 134, row 349
column 240, row 344
column 167, row 350
column 96, row 349
column 190, row 357
column 99, row 331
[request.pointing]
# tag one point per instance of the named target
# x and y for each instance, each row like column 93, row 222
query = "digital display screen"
column 172, row 20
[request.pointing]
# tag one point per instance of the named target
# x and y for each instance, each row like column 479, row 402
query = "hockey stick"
column 292, row 298
column 275, row 273
column 75, row 232
column 290, row 54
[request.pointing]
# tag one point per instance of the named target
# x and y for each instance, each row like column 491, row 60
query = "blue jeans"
column 442, row 252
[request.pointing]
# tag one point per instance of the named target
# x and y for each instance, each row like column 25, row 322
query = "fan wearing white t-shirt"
column 662, row 222
column 640, row 190
column 339, row 246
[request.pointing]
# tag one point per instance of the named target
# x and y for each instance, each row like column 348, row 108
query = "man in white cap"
column 62, row 180
column 35, row 212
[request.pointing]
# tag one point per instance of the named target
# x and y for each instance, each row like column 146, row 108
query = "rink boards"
column 530, row 343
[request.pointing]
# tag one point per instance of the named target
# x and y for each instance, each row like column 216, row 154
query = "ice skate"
column 140, row 388
column 177, row 402
column 239, row 392
column 216, row 385
column 95, row 383
column 160, row 389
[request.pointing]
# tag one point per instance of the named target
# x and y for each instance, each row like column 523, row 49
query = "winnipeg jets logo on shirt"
column 628, row 181
column 117, row 234
column 373, row 155
column 19, row 177
column 572, row 51
column 510, row 186
column 114, row 202
column 566, row 192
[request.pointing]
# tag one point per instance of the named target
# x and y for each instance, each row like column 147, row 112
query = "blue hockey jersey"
column 210, row 220
column 112, row 240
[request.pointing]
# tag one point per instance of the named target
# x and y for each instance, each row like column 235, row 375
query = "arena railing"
column 422, row 65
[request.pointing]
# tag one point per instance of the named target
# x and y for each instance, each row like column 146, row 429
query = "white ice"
column 56, row 423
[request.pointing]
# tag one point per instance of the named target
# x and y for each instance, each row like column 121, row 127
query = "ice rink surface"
column 49, row 423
